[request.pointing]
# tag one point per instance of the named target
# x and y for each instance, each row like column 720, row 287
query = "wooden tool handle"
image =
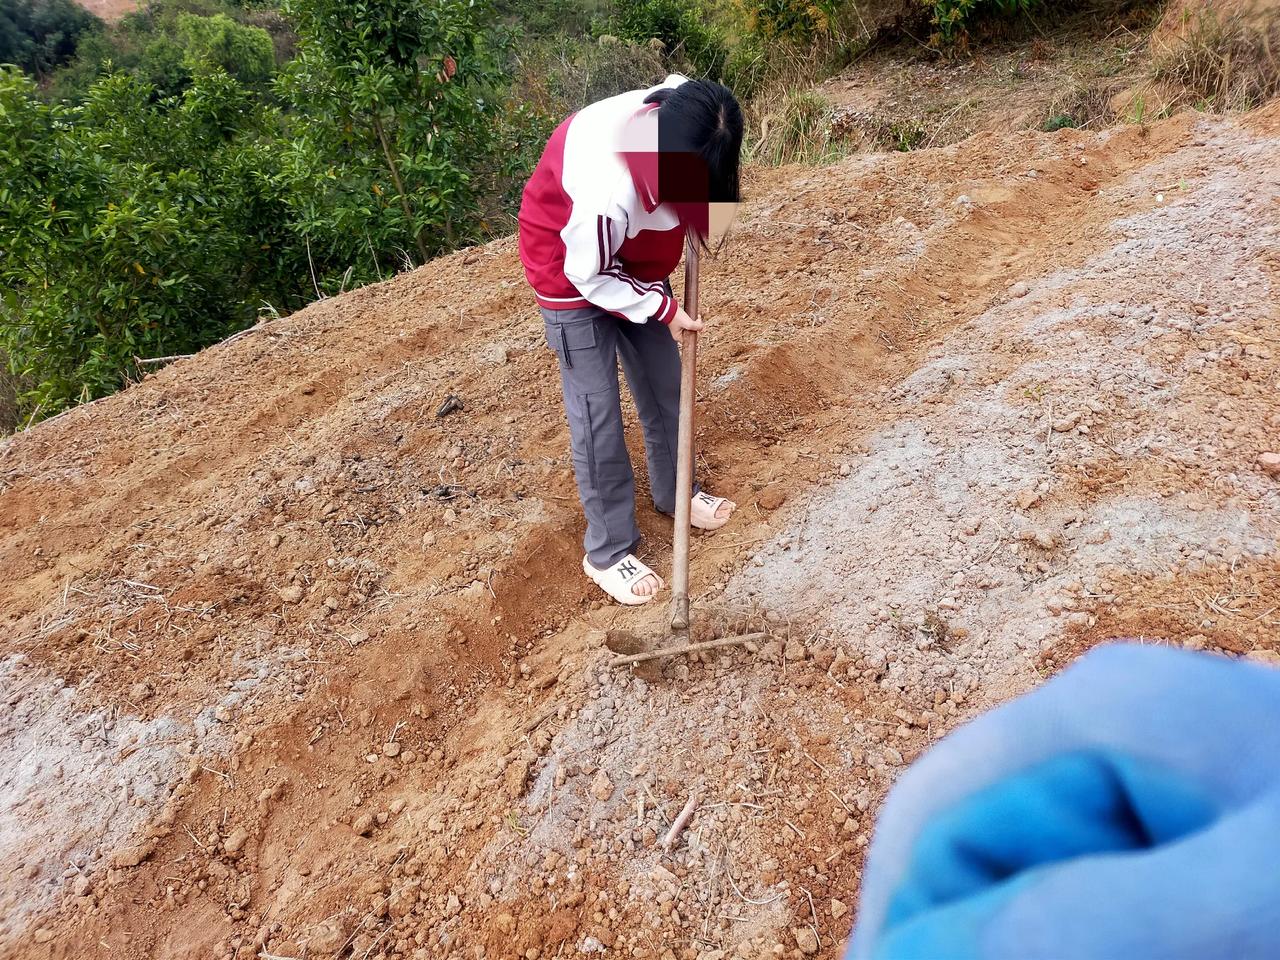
column 684, row 446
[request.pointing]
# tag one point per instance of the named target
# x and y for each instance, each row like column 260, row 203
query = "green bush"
column 218, row 42
column 748, row 66
column 1059, row 121
column 682, row 25
column 791, row 20
column 134, row 228
column 952, row 19
column 165, row 42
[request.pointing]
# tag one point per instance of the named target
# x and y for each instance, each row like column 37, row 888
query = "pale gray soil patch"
column 938, row 526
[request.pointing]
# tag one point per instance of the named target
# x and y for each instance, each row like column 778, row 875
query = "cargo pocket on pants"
column 565, row 338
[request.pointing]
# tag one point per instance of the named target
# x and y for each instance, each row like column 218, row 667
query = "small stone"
column 1268, row 658
column 771, row 498
column 363, row 825
column 222, row 713
column 1067, row 423
column 133, row 855
column 326, row 940
column 235, row 841
column 794, row 651
column 42, row 935
column 1027, row 499
column 1270, row 463
column 838, row 909
column 1019, row 289
column 397, row 806
column 806, row 940
column 601, row 786
column 139, row 692
column 275, row 540
column 292, row 594
column 391, row 749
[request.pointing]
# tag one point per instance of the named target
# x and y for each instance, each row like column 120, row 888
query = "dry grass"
column 797, row 130
column 1225, row 61
column 1082, row 106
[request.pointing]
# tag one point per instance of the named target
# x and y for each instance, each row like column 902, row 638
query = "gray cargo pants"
column 588, row 344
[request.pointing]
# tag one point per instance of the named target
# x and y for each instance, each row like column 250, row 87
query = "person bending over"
column 602, row 223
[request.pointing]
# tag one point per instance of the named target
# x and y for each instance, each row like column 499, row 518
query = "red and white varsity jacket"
column 592, row 232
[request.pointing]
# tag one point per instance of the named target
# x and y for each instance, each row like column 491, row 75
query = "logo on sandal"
column 627, row 569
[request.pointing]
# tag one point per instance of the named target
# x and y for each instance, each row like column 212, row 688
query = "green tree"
column 39, row 35
column 394, row 123
column 134, row 228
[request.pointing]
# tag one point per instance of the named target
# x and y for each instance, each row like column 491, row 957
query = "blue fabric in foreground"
column 1129, row 808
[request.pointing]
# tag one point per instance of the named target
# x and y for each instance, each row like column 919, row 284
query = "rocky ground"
column 294, row 666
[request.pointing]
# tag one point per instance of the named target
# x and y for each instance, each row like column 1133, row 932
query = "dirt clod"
column 601, row 786
column 771, row 498
column 806, row 940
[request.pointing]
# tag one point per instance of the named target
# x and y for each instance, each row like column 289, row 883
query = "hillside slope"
column 292, row 666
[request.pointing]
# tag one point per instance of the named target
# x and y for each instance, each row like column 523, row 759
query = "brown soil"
column 109, row 10
column 296, row 668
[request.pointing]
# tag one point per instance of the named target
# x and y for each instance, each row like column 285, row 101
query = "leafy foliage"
column 953, row 18
column 134, row 228
column 794, row 20
column 164, row 204
column 682, row 26
column 393, row 127
column 218, row 42
column 167, row 41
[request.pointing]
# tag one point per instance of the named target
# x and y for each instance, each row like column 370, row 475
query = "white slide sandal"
column 616, row 581
column 702, row 511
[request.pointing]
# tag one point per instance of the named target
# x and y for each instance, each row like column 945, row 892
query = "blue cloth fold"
column 1128, row 809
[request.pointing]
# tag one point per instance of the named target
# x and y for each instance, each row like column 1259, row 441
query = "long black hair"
column 699, row 145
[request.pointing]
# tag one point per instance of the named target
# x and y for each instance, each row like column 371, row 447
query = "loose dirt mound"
column 293, row 667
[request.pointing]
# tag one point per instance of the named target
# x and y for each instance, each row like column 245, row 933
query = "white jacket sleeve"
column 590, row 264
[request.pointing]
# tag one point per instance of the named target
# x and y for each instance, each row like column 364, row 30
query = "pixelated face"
column 667, row 171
